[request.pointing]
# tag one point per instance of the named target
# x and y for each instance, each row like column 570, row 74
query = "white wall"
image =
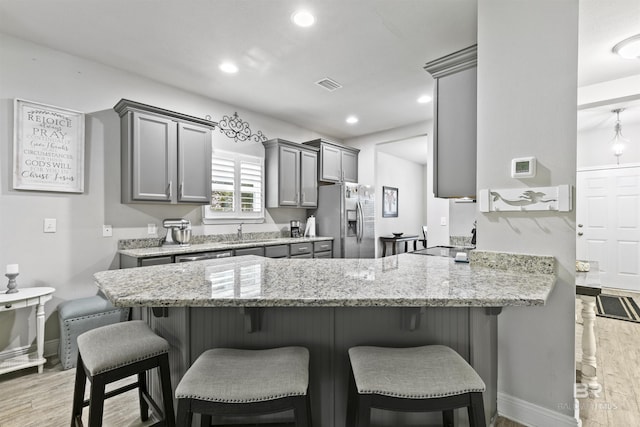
column 527, row 91
column 372, row 170
column 594, row 144
column 410, row 192
column 67, row 259
column 461, row 218
column 433, row 209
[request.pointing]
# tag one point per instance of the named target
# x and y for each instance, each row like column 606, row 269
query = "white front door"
column 608, row 224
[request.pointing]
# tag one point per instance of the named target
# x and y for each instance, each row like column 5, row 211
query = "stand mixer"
column 178, row 232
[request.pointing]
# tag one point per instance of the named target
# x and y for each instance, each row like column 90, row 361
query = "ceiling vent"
column 329, row 84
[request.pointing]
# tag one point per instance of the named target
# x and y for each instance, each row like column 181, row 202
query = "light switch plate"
column 152, row 229
column 107, row 231
column 50, row 225
column 443, row 220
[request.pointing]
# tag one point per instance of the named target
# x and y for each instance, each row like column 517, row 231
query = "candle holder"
column 12, row 285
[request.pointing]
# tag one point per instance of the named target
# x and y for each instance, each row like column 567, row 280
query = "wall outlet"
column 152, row 229
column 107, row 231
column 443, row 220
column 50, row 225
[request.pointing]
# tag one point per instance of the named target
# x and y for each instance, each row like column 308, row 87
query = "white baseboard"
column 50, row 349
column 532, row 415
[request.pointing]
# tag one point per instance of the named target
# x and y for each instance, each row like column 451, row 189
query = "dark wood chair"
column 418, row 379
column 113, row 352
column 232, row 382
column 424, row 236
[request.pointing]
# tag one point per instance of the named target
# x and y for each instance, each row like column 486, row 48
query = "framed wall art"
column 48, row 148
column 389, row 202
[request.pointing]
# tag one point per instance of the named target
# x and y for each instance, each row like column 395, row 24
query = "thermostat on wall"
column 524, row 167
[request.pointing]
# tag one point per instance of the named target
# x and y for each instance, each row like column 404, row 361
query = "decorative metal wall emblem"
column 558, row 198
column 239, row 130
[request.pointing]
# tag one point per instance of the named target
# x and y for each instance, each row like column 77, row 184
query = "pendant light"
column 618, row 142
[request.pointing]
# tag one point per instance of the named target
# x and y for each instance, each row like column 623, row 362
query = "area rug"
column 617, row 307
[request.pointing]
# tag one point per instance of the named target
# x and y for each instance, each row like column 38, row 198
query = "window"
column 236, row 189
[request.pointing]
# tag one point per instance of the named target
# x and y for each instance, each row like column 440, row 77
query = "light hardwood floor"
column 618, row 358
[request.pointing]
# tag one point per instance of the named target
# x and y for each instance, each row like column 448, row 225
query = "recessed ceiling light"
column 352, row 119
column 228, row 67
column 424, row 99
column 303, row 18
column 629, row 48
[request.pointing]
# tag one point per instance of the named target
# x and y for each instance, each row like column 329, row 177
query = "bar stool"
column 113, row 352
column 232, row 382
column 418, row 379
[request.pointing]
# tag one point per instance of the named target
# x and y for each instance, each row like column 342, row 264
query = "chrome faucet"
column 240, row 231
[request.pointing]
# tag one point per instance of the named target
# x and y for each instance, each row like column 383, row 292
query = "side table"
column 395, row 240
column 27, row 297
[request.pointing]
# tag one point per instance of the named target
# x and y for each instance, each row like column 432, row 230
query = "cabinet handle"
column 303, row 197
column 303, row 249
column 181, row 190
column 580, row 233
column 169, row 189
column 223, row 255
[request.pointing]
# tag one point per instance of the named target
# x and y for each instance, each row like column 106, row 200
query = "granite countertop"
column 404, row 280
column 152, row 251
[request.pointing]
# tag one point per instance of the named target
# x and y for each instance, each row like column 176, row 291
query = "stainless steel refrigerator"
column 346, row 212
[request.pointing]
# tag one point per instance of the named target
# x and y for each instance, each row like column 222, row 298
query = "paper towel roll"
column 310, row 229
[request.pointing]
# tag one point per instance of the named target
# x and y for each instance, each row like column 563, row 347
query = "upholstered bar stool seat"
column 110, row 353
column 233, row 382
column 417, row 379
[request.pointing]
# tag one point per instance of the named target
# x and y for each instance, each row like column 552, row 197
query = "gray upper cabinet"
column 337, row 162
column 166, row 156
column 291, row 172
column 194, row 163
column 455, row 124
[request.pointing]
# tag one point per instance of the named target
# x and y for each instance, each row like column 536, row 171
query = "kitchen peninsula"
column 329, row 305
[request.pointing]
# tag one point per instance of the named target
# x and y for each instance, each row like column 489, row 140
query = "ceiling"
column 375, row 49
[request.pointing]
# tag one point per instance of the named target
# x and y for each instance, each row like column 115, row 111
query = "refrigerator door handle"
column 360, row 222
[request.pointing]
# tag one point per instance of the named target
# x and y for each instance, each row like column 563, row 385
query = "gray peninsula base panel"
column 329, row 305
column 328, row 333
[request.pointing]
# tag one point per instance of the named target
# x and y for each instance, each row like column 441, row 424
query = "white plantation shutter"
column 237, row 188
column 222, row 184
column 250, row 187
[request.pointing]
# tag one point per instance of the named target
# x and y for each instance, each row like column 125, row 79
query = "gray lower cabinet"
column 130, row 262
column 301, row 250
column 323, row 249
column 337, row 162
column 166, row 156
column 320, row 249
column 291, row 172
column 278, row 251
column 250, row 251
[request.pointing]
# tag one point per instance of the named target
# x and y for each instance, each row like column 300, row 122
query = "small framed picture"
column 389, row 202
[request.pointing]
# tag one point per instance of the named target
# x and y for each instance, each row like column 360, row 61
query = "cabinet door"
column 309, row 179
column 289, row 176
column 331, row 164
column 153, row 158
column 194, row 163
column 349, row 166
column 455, row 135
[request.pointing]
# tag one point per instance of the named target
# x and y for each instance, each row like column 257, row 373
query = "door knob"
column 580, row 233
column 580, row 225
